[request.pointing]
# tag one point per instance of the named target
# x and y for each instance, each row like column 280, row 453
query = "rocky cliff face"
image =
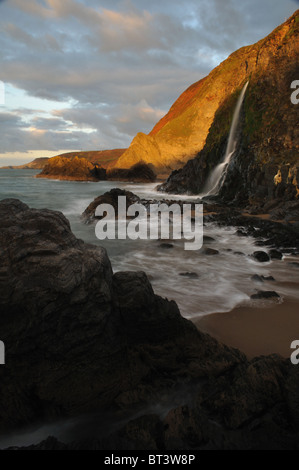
column 76, row 169
column 36, row 164
column 269, row 121
column 266, row 163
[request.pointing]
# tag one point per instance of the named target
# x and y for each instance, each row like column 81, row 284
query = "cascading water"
column 218, row 175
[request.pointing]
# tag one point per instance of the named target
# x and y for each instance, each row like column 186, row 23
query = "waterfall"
column 218, row 175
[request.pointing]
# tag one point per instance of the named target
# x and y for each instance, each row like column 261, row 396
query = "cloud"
column 119, row 65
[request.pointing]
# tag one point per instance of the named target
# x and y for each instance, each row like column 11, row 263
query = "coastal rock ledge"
column 80, row 339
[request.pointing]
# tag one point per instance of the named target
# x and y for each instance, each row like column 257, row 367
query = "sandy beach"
column 254, row 330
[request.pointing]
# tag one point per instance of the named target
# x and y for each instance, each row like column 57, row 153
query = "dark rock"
column 261, row 256
column 294, row 263
column 265, row 295
column 257, row 278
column 209, row 251
column 190, row 275
column 166, row 245
column 241, row 233
column 239, row 253
column 140, row 173
column 207, row 239
column 110, row 197
column 268, row 278
column 67, row 322
column 81, row 340
column 275, row 254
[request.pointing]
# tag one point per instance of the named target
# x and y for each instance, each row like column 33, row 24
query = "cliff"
column 74, row 169
column 264, row 168
column 36, row 164
column 101, row 157
column 270, row 65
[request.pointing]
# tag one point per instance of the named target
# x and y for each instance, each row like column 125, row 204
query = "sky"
column 89, row 74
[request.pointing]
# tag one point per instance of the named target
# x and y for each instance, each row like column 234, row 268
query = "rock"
column 110, row 197
column 73, row 169
column 253, row 406
column 71, row 327
column 265, row 168
column 241, row 233
column 207, row 239
column 140, row 173
column 257, row 278
column 200, row 119
column 166, row 245
column 190, row 275
column 265, row 295
column 81, row 340
column 275, row 254
column 294, row 263
column 268, row 278
column 239, row 253
column 261, row 256
column 209, row 252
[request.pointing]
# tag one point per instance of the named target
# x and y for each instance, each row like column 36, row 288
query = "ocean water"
column 223, row 282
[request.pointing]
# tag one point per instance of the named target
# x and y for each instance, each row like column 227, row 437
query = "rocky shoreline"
column 80, row 339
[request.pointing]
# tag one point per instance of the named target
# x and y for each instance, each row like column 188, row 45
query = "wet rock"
column 208, row 239
column 209, row 251
column 80, row 339
column 241, row 233
column 261, row 256
column 265, row 295
column 190, row 275
column 111, row 198
column 268, row 278
column 275, row 254
column 139, row 173
column 257, row 278
column 239, row 253
column 71, row 326
column 166, row 246
column 294, row 263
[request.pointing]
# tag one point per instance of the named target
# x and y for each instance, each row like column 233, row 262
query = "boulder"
column 265, row 295
column 110, row 197
column 261, row 256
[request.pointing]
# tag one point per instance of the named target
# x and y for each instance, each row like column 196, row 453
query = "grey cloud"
column 119, row 62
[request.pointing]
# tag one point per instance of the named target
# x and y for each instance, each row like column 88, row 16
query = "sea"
column 223, row 281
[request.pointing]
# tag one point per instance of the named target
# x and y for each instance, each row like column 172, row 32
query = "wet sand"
column 256, row 330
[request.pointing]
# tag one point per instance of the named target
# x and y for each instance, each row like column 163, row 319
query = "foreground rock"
column 111, row 198
column 77, row 337
column 82, row 340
